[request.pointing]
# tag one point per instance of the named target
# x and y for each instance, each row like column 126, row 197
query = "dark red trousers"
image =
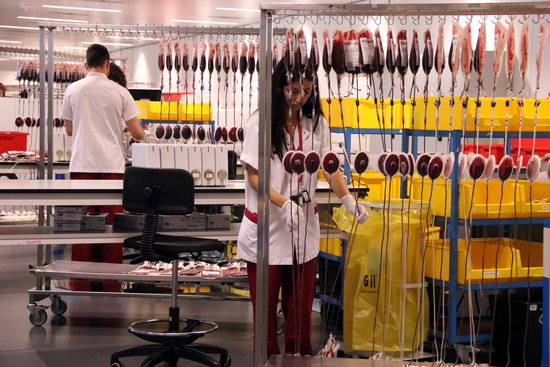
column 106, row 253
column 298, row 286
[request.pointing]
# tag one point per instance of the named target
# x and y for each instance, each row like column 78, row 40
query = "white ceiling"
column 142, row 12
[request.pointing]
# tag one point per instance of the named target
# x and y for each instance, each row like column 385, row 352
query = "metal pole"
column 264, row 169
column 50, row 103
column 42, row 128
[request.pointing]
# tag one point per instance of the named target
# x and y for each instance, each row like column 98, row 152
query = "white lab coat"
column 99, row 109
column 306, row 240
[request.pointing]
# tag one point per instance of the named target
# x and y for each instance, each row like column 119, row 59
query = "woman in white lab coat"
column 294, row 230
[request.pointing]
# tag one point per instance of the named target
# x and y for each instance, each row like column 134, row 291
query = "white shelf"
column 90, row 270
column 35, row 235
column 109, row 192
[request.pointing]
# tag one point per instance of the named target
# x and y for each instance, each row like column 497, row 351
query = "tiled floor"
column 94, row 327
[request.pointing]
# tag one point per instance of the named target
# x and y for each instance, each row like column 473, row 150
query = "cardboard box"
column 172, row 222
column 60, row 226
column 94, row 222
column 127, row 220
column 70, row 209
column 68, row 213
column 218, row 221
column 196, row 222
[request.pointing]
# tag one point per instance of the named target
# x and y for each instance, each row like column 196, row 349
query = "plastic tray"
column 479, row 206
column 510, row 264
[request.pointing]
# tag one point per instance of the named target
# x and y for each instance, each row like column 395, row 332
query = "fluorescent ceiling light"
column 202, row 21
column 240, row 9
column 74, row 48
column 79, row 8
column 18, row 27
column 54, row 19
column 109, row 44
column 8, row 41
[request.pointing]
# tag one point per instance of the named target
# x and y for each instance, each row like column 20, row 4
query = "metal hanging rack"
column 77, row 30
column 300, row 13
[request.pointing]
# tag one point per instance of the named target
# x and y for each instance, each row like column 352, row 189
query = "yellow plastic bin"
column 331, row 246
column 444, row 114
column 143, row 109
column 195, row 111
column 543, row 122
column 486, row 113
column 540, row 196
column 369, row 113
column 379, row 187
column 510, row 264
column 480, row 203
column 169, row 110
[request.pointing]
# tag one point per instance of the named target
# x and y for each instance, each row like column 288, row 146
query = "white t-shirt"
column 280, row 237
column 99, row 109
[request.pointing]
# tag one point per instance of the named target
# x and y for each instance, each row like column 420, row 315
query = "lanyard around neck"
column 299, row 127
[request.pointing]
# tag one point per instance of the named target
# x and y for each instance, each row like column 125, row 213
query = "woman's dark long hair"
column 279, row 106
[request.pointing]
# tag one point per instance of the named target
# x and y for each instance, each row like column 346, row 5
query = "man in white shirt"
column 96, row 110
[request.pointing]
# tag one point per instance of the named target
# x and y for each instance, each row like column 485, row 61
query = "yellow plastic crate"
column 444, row 114
column 368, row 117
column 195, row 111
column 511, row 263
column 486, row 113
column 376, row 184
column 143, row 109
column 543, row 123
column 465, row 191
column 331, row 246
column 540, row 197
column 202, row 111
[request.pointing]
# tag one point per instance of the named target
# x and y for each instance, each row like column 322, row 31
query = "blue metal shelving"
column 453, row 222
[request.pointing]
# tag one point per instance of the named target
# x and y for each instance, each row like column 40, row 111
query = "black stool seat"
column 158, row 330
column 174, row 244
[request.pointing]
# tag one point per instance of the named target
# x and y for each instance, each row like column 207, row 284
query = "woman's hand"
column 355, row 208
column 294, row 214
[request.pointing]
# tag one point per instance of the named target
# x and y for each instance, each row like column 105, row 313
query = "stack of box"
column 128, row 220
column 94, row 222
column 67, row 218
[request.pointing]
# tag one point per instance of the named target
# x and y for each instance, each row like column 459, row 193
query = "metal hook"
column 415, row 19
column 456, row 18
column 442, row 19
column 402, row 19
column 362, row 20
column 538, row 19
column 316, row 20
column 378, row 20
column 429, row 20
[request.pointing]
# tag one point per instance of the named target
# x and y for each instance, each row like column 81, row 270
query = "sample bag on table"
column 383, row 272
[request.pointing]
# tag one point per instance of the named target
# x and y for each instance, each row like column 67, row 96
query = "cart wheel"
column 117, row 364
column 59, row 307
column 38, row 317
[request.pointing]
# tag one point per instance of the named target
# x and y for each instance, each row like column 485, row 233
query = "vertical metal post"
column 50, row 103
column 42, row 128
column 42, row 144
column 456, row 137
column 264, row 170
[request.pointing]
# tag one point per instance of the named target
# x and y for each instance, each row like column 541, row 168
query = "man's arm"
column 135, row 129
column 69, row 127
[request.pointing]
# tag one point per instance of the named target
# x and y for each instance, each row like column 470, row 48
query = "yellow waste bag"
column 383, row 292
